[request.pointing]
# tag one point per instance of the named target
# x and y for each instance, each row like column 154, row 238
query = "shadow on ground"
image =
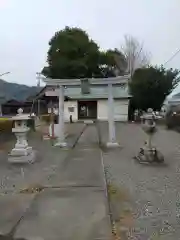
column 10, row 238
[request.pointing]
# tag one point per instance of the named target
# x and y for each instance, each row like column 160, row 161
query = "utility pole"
column 38, row 76
column 5, row 73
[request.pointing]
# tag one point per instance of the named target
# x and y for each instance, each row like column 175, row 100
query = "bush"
column 31, row 123
column 45, row 118
column 173, row 121
column 6, row 125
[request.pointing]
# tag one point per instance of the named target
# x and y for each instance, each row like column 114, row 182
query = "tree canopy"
column 72, row 54
column 149, row 86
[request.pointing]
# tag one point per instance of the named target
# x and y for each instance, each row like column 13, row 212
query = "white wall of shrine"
column 120, row 110
column 71, row 108
column 61, row 142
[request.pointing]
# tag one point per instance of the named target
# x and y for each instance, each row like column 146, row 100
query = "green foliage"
column 45, row 118
column 72, row 54
column 6, row 125
column 149, row 86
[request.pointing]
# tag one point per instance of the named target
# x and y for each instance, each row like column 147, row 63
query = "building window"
column 71, row 109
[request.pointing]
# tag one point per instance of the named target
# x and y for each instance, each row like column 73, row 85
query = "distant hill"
column 16, row 91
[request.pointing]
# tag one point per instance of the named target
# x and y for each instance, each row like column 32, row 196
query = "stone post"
column 149, row 153
column 112, row 134
column 61, row 136
column 22, row 152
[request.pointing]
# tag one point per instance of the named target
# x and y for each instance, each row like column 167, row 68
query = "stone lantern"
column 149, row 153
column 22, row 152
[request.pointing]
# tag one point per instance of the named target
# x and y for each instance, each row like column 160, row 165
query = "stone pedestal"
column 26, row 155
column 61, row 144
column 112, row 133
column 21, row 153
column 112, row 144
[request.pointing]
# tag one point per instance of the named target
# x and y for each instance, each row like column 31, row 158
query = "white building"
column 92, row 103
column 170, row 101
column 173, row 98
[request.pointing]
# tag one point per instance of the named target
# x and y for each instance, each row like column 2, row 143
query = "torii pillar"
column 109, row 82
column 112, row 132
column 61, row 138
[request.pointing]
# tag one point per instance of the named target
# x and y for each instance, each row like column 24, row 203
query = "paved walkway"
column 72, row 206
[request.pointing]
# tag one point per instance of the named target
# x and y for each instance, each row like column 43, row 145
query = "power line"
column 172, row 56
column 2, row 74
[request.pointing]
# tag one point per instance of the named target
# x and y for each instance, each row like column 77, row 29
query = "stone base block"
column 61, row 144
column 88, row 121
column 146, row 155
column 21, row 151
column 46, row 137
column 29, row 158
column 112, row 145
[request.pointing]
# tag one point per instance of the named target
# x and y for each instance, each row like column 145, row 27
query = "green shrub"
column 6, row 125
column 173, row 121
column 45, row 118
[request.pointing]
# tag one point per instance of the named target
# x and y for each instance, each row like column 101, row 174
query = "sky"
column 27, row 26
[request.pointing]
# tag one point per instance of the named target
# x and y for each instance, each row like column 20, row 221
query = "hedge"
column 5, row 124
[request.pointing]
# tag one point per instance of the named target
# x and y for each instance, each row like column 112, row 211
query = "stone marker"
column 21, row 153
column 149, row 153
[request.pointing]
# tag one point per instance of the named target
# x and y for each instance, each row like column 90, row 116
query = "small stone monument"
column 21, row 153
column 148, row 153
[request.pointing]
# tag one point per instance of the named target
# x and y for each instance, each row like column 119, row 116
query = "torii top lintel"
column 92, row 81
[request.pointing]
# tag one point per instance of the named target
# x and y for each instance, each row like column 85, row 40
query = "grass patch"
column 4, row 119
column 117, row 193
column 32, row 189
column 6, row 124
column 122, row 215
column 45, row 118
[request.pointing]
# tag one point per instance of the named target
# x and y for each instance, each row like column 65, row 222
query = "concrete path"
column 72, row 206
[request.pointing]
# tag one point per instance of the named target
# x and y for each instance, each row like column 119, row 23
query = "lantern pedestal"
column 22, row 156
column 22, row 152
column 112, row 145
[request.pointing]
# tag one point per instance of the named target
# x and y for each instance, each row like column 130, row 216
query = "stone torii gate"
column 109, row 82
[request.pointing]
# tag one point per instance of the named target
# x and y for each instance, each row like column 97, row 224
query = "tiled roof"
column 97, row 92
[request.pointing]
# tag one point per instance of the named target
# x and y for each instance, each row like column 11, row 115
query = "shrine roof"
column 97, row 92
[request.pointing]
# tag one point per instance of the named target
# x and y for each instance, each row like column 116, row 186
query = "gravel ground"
column 145, row 199
column 14, row 177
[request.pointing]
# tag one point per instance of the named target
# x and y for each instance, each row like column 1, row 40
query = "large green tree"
column 72, row 54
column 149, row 86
